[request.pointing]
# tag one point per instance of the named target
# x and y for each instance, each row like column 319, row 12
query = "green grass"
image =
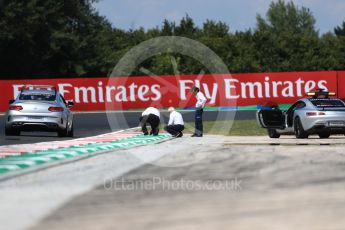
column 229, row 128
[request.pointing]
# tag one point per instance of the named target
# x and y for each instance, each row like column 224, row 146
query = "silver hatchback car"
column 319, row 114
column 39, row 108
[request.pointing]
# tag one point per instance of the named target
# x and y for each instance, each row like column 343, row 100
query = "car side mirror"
column 11, row 101
column 70, row 103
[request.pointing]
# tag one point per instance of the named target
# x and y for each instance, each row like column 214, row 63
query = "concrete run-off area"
column 213, row 182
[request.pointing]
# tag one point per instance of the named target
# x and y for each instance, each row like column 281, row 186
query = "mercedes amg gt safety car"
column 320, row 113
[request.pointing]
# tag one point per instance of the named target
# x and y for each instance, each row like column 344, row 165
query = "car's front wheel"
column 272, row 133
column 300, row 133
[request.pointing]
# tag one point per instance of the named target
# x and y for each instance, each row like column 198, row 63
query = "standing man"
column 150, row 116
column 176, row 124
column 199, row 109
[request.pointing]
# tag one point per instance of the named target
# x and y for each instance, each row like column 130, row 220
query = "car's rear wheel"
column 300, row 133
column 324, row 135
column 272, row 133
column 63, row 132
column 11, row 132
column 71, row 131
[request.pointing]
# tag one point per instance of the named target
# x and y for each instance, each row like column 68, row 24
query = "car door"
column 271, row 117
column 290, row 113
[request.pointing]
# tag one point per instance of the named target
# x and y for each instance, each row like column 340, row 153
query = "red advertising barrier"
column 121, row 93
column 341, row 84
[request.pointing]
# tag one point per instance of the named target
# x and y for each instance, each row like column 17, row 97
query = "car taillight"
column 16, row 107
column 55, row 109
column 311, row 114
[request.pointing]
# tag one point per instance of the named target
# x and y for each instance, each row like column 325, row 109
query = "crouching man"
column 176, row 124
column 150, row 116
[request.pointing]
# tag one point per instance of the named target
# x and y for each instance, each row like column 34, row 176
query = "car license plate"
column 35, row 118
column 336, row 123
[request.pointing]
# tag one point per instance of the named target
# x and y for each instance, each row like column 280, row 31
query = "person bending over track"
column 150, row 116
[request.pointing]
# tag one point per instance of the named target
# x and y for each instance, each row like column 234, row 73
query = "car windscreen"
column 37, row 96
column 328, row 103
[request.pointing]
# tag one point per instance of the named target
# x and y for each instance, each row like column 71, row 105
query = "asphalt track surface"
column 214, row 182
column 91, row 124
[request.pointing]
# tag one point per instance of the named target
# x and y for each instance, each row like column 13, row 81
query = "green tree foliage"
column 340, row 30
column 285, row 17
column 53, row 38
column 340, row 41
column 68, row 38
column 285, row 30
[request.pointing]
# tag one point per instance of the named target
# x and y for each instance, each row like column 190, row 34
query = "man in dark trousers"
column 199, row 109
column 176, row 124
column 150, row 116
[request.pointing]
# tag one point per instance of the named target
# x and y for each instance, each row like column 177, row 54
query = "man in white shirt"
column 150, row 116
column 199, row 109
column 176, row 124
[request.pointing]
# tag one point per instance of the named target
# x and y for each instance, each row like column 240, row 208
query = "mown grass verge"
column 229, row 128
